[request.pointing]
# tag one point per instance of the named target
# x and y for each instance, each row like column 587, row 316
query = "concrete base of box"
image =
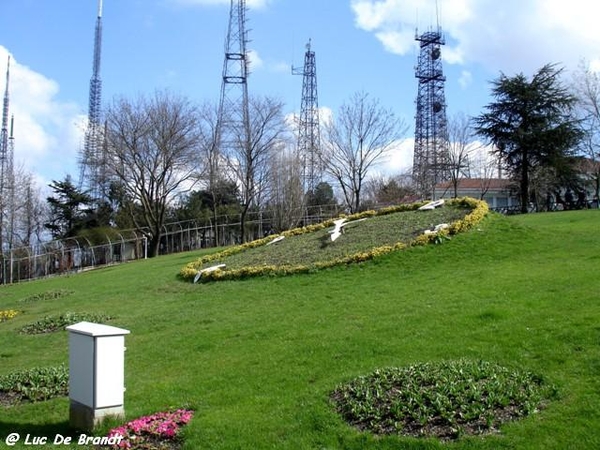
column 82, row 417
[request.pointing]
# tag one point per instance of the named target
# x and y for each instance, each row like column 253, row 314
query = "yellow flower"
column 7, row 314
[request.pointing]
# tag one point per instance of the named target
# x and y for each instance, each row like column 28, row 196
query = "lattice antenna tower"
column 233, row 122
column 5, row 175
column 11, row 184
column 309, row 136
column 92, row 161
column 431, row 152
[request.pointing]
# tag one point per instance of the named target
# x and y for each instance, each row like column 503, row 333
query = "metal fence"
column 67, row 256
column 61, row 257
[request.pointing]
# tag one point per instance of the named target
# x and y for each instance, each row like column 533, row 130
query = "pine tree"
column 531, row 125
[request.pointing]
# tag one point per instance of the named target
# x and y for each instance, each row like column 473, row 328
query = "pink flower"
column 164, row 425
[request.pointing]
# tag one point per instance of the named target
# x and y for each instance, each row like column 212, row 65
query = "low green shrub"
column 37, row 384
column 48, row 295
column 444, row 399
column 50, row 324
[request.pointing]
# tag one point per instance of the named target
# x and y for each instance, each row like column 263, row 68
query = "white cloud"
column 400, row 158
column 281, row 67
column 399, row 42
column 394, row 22
column 325, row 115
column 509, row 36
column 254, row 60
column 48, row 132
column 465, row 80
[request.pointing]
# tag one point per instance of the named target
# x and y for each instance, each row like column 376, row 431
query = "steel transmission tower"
column 431, row 153
column 92, row 161
column 309, row 137
column 233, row 123
column 7, row 184
column 5, row 168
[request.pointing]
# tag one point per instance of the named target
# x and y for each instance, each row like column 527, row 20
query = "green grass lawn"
column 257, row 359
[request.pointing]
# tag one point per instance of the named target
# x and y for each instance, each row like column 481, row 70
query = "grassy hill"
column 257, row 359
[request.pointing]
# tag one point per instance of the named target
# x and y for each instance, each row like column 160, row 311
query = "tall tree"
column 587, row 88
column 321, row 201
column 286, row 193
column 460, row 149
column 483, row 166
column 249, row 160
column 199, row 205
column 153, row 153
column 30, row 210
column 214, row 176
column 389, row 190
column 359, row 137
column 70, row 209
column 531, row 125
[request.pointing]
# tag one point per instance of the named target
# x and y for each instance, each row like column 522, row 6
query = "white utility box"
column 96, row 373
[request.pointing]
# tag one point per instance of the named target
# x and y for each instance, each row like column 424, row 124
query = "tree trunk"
column 243, row 215
column 524, row 185
column 215, row 224
column 356, row 207
column 154, row 246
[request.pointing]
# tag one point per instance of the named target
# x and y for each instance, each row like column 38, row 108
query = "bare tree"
column 153, row 153
column 586, row 85
column 214, row 175
column 249, row 160
column 286, row 199
column 389, row 189
column 459, row 149
column 25, row 217
column 484, row 166
column 30, row 210
column 357, row 139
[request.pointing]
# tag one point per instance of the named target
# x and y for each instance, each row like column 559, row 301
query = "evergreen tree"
column 531, row 125
column 70, row 209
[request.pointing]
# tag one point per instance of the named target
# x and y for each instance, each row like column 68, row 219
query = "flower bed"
column 157, row 431
column 50, row 324
column 477, row 211
column 446, row 399
column 34, row 385
column 48, row 295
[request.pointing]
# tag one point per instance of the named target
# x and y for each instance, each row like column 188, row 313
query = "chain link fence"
column 73, row 255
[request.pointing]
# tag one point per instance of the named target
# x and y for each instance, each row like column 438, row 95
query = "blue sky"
column 360, row 45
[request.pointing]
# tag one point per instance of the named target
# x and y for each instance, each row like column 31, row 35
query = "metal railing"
column 72, row 255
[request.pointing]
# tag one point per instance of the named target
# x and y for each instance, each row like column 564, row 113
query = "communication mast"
column 309, row 140
column 92, row 161
column 5, row 166
column 233, row 123
column 11, row 182
column 6, row 180
column 431, row 153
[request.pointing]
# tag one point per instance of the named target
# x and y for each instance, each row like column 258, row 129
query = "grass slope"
column 257, row 359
